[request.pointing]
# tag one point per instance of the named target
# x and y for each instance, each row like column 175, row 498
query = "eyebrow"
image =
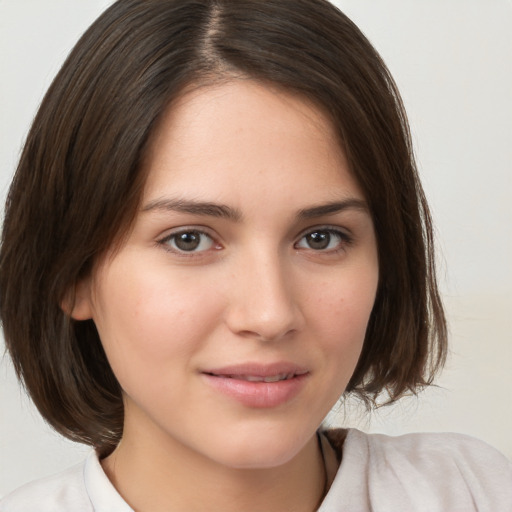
column 195, row 207
column 210, row 209
column 333, row 208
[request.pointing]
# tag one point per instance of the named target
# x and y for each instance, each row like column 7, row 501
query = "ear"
column 77, row 302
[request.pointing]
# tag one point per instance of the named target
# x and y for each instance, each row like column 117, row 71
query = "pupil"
column 319, row 240
column 188, row 241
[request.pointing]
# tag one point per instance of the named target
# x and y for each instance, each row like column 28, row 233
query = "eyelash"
column 172, row 237
column 344, row 240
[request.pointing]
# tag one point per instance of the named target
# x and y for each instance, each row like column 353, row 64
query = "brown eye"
column 318, row 240
column 189, row 241
column 323, row 240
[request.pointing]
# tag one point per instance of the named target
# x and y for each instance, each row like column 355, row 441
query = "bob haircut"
column 80, row 179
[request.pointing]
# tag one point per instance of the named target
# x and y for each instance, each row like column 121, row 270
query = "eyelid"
column 343, row 233
column 170, row 234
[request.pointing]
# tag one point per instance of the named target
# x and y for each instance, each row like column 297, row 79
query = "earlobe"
column 77, row 303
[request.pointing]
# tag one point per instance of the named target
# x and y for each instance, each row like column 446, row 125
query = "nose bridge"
column 264, row 303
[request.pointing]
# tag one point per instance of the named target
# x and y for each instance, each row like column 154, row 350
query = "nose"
column 264, row 300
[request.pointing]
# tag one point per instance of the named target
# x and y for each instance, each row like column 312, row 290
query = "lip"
column 232, row 381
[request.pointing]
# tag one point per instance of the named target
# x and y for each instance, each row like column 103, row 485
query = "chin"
column 261, row 451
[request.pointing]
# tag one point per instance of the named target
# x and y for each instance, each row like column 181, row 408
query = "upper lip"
column 258, row 370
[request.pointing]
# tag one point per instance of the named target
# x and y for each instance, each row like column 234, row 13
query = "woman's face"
column 234, row 314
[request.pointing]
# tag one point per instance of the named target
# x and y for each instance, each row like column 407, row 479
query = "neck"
column 155, row 474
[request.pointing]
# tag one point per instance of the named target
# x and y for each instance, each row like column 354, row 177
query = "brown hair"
column 79, row 181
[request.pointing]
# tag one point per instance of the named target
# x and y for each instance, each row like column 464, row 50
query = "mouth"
column 258, row 386
column 259, row 378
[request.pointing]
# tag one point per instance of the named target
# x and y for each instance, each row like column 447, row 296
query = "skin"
column 256, row 289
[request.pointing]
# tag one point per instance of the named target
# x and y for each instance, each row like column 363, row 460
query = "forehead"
column 248, row 135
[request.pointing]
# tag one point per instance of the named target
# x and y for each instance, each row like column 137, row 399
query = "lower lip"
column 258, row 395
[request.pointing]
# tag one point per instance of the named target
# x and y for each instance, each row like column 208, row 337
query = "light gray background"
column 452, row 60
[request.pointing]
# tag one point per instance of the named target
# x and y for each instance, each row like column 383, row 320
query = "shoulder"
column 433, row 451
column 427, row 472
column 419, row 448
column 61, row 492
column 430, row 442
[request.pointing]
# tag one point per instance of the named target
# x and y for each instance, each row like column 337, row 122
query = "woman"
column 216, row 230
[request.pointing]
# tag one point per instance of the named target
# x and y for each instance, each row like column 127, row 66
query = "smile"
column 274, row 378
column 257, row 386
column 259, row 378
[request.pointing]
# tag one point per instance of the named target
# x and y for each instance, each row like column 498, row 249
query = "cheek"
column 340, row 315
column 149, row 318
column 344, row 304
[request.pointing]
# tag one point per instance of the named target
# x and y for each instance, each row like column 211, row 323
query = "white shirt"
column 410, row 473
column 419, row 473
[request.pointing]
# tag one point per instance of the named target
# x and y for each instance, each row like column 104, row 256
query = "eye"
column 323, row 240
column 188, row 241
